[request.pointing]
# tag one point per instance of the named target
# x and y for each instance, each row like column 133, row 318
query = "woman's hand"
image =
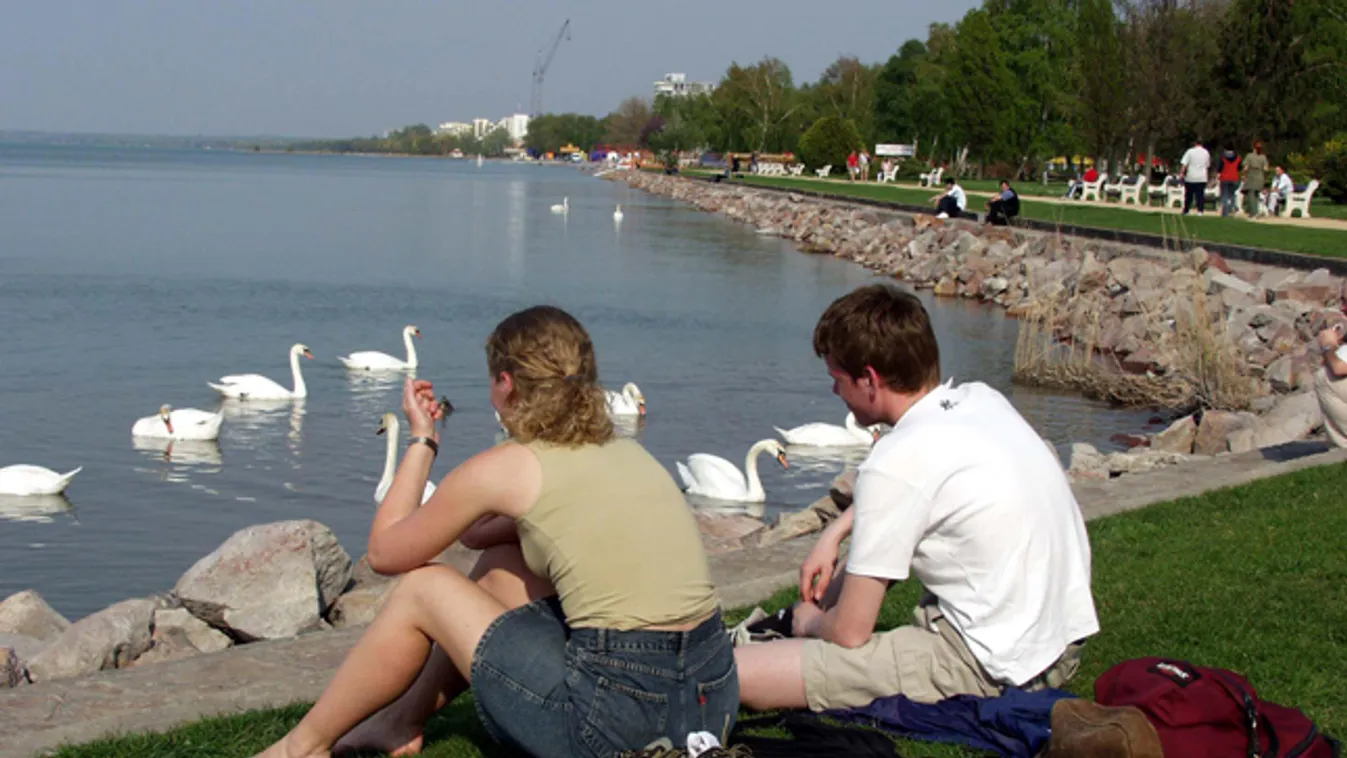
column 421, row 408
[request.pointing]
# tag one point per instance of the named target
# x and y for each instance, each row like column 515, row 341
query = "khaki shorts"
column 927, row 661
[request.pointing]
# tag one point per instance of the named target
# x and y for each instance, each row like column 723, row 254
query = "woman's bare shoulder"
column 509, row 472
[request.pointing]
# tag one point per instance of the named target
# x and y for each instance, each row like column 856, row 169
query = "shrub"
column 828, row 143
column 1328, row 164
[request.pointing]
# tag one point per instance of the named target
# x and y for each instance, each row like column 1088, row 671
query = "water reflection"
column 185, row 452
column 37, row 509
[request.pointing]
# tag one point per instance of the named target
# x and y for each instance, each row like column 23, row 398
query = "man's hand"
column 816, row 573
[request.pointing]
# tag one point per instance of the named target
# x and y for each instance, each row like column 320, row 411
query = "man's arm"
column 851, row 622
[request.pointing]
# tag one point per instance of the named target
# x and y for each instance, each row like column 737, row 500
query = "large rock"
column 1136, row 461
column 1291, row 419
column 169, row 622
column 1087, row 462
column 268, row 581
column 1281, row 374
column 28, row 614
column 358, row 607
column 26, row 647
column 1177, row 437
column 1213, row 435
column 110, row 638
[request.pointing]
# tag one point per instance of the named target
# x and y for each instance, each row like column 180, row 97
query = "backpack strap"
column 1250, row 708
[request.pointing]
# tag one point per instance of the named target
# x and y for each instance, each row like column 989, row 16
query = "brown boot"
column 1084, row 729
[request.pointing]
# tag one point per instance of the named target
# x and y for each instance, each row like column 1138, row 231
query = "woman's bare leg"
column 398, row 729
column 433, row 604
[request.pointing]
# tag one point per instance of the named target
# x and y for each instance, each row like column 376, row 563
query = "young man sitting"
column 1003, row 207
column 964, row 496
column 953, row 202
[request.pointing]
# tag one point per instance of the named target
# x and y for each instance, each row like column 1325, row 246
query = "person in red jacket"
column 1229, row 176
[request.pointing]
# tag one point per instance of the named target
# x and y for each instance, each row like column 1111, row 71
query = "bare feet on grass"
column 285, row 749
column 381, row 733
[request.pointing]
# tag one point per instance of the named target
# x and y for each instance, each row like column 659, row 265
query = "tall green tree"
column 845, row 89
column 895, row 94
column 550, row 131
column 1101, row 114
column 624, row 125
column 982, row 84
column 760, row 107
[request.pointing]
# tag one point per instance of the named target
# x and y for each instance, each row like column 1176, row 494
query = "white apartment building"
column 454, row 128
column 678, row 85
column 517, row 125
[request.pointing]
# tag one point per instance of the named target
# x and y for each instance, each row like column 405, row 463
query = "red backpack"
column 1203, row 712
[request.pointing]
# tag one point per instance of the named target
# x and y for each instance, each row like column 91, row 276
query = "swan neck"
column 411, row 348
column 751, row 470
column 390, row 456
column 300, row 389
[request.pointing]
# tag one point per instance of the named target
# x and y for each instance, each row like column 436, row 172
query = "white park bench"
column 1301, row 200
column 822, row 173
column 930, row 178
column 796, row 169
column 1134, row 191
column 1094, row 188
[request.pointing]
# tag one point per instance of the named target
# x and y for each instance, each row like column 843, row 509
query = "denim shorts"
column 550, row 690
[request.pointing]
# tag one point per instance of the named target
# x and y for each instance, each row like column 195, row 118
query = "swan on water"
column 258, row 387
column 24, row 479
column 617, row 214
column 180, row 424
column 830, row 435
column 714, row 477
column 563, row 207
column 373, row 360
column 628, row 402
column 389, row 427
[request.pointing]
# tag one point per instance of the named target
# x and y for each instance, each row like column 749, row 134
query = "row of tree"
column 417, row 139
column 1015, row 82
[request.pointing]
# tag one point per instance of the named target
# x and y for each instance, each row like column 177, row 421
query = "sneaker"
column 1084, row 729
column 660, row 748
column 762, row 627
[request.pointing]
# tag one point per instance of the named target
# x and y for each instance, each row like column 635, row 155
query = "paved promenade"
column 36, row 718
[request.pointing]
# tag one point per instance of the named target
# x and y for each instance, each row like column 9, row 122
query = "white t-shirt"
column 1283, row 186
column 966, row 496
column 1197, row 160
column 956, row 192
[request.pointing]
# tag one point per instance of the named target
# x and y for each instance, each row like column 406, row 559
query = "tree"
column 895, row 94
column 671, row 136
column 625, row 124
column 1101, row 112
column 699, row 111
column 758, row 105
column 550, row 131
column 982, row 84
column 829, row 142
column 494, row 143
column 846, row 89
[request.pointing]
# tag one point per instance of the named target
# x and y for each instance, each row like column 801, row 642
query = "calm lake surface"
column 130, row 278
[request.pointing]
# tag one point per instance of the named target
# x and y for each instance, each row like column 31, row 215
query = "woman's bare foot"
column 285, row 749
column 381, row 733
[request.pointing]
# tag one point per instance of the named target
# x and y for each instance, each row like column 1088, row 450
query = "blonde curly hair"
column 557, row 398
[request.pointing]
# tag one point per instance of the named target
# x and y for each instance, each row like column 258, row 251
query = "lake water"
column 129, row 279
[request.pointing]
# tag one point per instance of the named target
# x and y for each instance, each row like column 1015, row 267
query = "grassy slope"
column 1250, row 578
column 1210, row 228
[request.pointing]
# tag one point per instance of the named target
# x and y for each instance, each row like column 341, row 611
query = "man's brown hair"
column 884, row 327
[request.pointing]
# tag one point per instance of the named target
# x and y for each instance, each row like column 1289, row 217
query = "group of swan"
column 563, row 208
column 258, row 387
column 714, row 477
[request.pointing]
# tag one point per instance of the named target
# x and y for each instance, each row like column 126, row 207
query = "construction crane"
column 540, row 65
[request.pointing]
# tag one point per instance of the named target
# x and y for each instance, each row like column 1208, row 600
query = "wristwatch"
column 428, row 442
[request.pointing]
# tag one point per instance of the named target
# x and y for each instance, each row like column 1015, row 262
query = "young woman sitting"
column 588, row 627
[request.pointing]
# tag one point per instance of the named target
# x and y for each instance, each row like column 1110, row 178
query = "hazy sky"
column 353, row 67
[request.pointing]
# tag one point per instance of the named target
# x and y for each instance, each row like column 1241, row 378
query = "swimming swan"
column 389, row 426
column 628, row 402
column 258, row 387
column 714, row 477
column 373, row 360
column 180, row 424
column 830, row 435
column 23, row 479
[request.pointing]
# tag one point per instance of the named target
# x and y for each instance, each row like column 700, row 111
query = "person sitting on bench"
column 1003, row 207
column 953, row 203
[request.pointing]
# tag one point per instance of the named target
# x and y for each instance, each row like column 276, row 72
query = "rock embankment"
column 273, row 581
column 1228, row 345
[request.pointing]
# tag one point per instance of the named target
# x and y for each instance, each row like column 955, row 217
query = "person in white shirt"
column 962, row 495
column 953, row 203
column 1196, row 161
column 1280, row 192
column 1330, row 383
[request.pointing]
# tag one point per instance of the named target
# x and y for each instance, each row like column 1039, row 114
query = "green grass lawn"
column 1209, row 228
column 1250, row 578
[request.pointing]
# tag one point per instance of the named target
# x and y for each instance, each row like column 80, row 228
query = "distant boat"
column 479, row 160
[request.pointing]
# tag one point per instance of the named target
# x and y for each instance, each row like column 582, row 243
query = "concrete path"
column 36, row 718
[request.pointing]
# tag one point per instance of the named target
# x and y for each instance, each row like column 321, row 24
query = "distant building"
column 678, row 85
column 454, row 128
column 517, row 125
column 482, row 127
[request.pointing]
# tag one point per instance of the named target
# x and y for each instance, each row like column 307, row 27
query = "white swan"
column 390, row 428
column 628, row 402
column 23, row 479
column 373, row 360
column 258, row 387
column 830, row 435
column 714, row 477
column 563, row 207
column 180, row 424
column 617, row 214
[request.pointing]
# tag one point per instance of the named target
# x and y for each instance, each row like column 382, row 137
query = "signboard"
column 901, row 151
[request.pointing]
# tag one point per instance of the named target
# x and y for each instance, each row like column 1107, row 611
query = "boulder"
column 1219, row 282
column 268, row 581
column 169, row 646
column 180, row 622
column 1316, row 294
column 1291, row 419
column 24, row 646
column 358, row 607
column 1281, row 374
column 11, row 668
column 1216, row 262
column 1213, row 435
column 946, row 287
column 1087, row 462
column 842, row 489
column 1178, row 437
column 722, row 532
column 110, row 638
column 1133, row 462
column 28, row 614
column 1243, row 440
